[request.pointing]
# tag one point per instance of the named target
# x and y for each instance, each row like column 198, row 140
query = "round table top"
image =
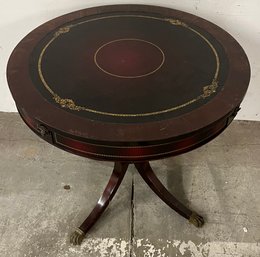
column 128, row 73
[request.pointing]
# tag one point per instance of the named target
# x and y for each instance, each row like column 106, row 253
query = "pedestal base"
column 114, row 182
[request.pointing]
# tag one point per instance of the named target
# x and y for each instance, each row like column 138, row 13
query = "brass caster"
column 196, row 220
column 77, row 237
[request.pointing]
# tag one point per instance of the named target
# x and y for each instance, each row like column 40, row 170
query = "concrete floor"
column 219, row 180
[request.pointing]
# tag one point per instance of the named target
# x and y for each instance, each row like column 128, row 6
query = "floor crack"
column 132, row 230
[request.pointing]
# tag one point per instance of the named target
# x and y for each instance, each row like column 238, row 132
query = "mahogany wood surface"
column 128, row 82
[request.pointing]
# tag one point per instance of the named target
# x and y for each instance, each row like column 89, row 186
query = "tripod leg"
column 145, row 170
column 109, row 192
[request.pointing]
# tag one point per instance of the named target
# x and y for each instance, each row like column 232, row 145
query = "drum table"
column 128, row 84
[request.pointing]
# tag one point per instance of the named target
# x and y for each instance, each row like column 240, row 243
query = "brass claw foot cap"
column 77, row 237
column 196, row 220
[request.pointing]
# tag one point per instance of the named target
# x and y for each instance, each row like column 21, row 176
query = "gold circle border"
column 129, row 77
column 70, row 104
